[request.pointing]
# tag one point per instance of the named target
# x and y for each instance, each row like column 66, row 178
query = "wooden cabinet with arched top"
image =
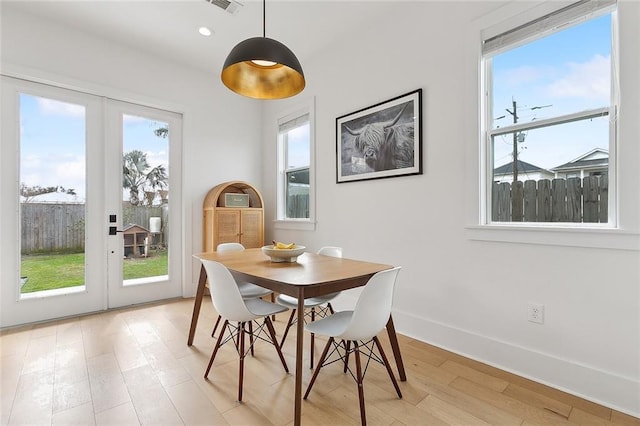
column 233, row 212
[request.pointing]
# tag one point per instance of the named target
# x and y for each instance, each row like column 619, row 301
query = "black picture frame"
column 380, row 141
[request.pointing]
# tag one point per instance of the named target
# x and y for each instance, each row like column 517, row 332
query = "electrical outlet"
column 535, row 313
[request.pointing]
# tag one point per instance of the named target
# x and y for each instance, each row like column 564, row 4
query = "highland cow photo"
column 381, row 141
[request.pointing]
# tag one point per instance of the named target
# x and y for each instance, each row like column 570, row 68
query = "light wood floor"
column 133, row 366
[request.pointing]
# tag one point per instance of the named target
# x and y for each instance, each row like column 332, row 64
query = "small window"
column 549, row 118
column 295, row 182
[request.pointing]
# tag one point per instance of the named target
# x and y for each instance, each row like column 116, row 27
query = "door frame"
column 16, row 310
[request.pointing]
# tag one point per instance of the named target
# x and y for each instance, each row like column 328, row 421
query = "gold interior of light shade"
column 273, row 82
column 281, row 80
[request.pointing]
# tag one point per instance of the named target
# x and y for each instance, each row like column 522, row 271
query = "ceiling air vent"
column 228, row 5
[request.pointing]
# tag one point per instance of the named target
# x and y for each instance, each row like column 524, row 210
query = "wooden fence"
column 48, row 227
column 52, row 227
column 298, row 206
column 557, row 200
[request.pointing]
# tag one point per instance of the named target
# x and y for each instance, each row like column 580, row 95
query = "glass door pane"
column 52, row 196
column 143, row 186
column 145, row 199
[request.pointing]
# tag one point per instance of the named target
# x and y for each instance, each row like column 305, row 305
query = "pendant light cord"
column 264, row 19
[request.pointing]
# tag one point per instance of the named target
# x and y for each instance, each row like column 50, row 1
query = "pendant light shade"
column 263, row 68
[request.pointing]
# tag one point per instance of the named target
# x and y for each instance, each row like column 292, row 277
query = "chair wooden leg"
column 347, row 346
column 241, row 372
column 273, row 300
column 215, row 327
column 215, row 349
column 251, row 337
column 319, row 366
column 272, row 333
column 289, row 324
column 312, row 345
column 363, row 416
column 386, row 365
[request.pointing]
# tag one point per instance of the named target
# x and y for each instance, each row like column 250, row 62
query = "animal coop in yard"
column 136, row 241
column 583, row 200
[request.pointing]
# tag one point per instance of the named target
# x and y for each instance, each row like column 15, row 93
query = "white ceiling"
column 169, row 28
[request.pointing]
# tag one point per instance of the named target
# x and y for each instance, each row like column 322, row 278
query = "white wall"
column 457, row 290
column 218, row 145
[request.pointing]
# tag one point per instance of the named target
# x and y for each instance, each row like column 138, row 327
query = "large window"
column 549, row 118
column 295, row 186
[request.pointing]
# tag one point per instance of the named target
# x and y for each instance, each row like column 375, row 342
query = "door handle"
column 113, row 230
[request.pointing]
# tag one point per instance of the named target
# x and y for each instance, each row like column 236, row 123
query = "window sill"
column 296, row 225
column 547, row 235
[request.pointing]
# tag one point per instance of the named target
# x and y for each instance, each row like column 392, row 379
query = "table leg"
column 393, row 339
column 299, row 348
column 197, row 303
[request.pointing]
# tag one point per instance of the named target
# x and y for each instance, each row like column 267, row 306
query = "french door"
column 143, row 203
column 77, row 168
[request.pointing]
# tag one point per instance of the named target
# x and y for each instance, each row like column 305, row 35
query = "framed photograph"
column 381, row 141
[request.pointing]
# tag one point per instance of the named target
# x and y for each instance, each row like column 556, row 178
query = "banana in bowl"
column 281, row 252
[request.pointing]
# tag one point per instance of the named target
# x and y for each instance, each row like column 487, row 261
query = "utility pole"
column 516, row 135
column 514, row 114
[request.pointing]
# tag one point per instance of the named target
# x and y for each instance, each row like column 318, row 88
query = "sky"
column 566, row 72
column 52, row 145
column 298, row 147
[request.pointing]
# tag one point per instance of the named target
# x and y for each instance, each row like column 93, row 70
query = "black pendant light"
column 263, row 68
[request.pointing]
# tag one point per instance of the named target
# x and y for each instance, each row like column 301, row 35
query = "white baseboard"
column 604, row 388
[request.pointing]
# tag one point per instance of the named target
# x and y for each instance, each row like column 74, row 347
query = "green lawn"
column 141, row 267
column 48, row 272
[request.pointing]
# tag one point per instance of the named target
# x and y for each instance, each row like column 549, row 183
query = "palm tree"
column 136, row 175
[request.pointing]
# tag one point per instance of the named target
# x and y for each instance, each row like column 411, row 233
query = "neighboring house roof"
column 299, row 176
column 597, row 158
column 523, row 167
column 54, row 198
column 130, row 227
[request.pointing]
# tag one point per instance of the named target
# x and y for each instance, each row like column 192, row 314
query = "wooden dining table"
column 311, row 275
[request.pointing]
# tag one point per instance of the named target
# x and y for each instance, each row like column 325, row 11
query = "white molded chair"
column 247, row 290
column 360, row 328
column 318, row 306
column 238, row 313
